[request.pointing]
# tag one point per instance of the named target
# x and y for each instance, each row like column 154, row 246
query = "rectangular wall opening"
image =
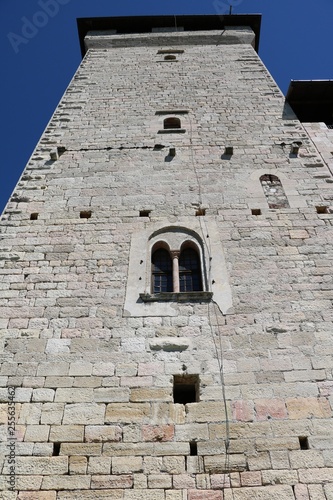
column 185, row 389
column 56, row 449
column 193, row 449
column 144, row 213
column 85, row 214
column 322, row 210
column 303, row 443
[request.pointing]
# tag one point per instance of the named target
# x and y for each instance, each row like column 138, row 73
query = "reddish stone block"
column 242, row 411
column 270, row 408
column 204, row 495
column 158, row 432
column 299, row 408
column 251, row 478
column 218, row 481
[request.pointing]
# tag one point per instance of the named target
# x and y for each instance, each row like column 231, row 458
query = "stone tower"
column 166, row 279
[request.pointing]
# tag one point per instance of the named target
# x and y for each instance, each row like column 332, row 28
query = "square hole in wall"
column 255, row 211
column 322, row 210
column 200, row 212
column 185, row 389
column 34, row 216
column 144, row 213
column 85, row 214
column 303, row 443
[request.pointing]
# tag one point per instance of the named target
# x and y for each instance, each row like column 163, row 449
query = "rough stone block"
column 159, row 481
column 41, row 465
column 84, row 413
column 260, row 493
column 127, row 464
column 99, row 465
column 87, row 449
column 79, row 482
column 66, row 433
column 183, row 481
column 251, row 478
column 128, row 413
column 158, row 432
column 114, row 481
column 37, row 433
column 77, row 465
column 279, row 477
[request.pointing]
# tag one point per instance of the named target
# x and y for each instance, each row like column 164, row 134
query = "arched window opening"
column 189, row 271
column 171, row 122
column 274, row 192
column 161, row 271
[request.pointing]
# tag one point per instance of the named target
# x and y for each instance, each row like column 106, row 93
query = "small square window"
column 34, row 216
column 256, row 211
column 85, row 214
column 185, row 389
column 144, row 213
column 322, row 210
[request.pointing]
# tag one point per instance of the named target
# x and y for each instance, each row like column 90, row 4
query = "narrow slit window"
column 303, row 443
column 161, row 271
column 189, row 271
column 274, row 192
column 56, row 449
column 170, row 57
column 193, row 449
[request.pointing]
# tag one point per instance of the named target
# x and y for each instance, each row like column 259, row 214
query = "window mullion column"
column 175, row 270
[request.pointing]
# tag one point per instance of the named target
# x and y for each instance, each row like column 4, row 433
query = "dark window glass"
column 162, row 271
column 171, row 123
column 189, row 271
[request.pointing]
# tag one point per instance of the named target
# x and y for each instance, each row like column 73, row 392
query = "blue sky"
column 40, row 53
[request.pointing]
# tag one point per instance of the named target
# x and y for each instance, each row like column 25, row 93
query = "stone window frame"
column 270, row 179
column 256, row 196
column 216, row 285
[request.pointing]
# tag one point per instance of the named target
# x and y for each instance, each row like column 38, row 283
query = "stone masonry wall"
column 93, row 384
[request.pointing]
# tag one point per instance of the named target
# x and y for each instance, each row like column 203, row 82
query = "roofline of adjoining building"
column 311, row 100
column 145, row 24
